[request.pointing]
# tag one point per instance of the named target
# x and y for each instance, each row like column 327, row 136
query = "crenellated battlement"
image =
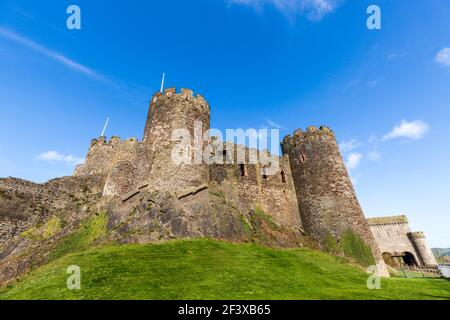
column 183, row 94
column 113, row 141
column 416, row 235
column 402, row 219
column 311, row 133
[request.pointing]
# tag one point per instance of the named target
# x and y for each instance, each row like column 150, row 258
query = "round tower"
column 327, row 201
column 174, row 140
column 423, row 250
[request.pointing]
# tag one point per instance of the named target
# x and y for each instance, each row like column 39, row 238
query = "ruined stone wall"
column 129, row 168
column 122, row 162
column 168, row 112
column 24, row 204
column 251, row 189
column 327, row 200
column 99, row 159
column 18, row 206
column 11, row 228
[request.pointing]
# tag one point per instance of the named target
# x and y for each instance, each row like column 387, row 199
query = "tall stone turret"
column 169, row 115
column 423, row 250
column 327, row 201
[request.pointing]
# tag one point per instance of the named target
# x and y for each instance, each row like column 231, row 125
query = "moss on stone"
column 356, row 248
column 51, row 227
column 259, row 212
column 331, row 245
column 87, row 234
column 248, row 230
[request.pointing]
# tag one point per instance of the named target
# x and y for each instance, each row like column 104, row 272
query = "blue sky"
column 260, row 63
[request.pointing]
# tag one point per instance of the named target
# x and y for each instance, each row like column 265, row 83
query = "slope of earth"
column 207, row 269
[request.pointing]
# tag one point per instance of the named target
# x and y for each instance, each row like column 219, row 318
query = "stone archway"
column 409, row 259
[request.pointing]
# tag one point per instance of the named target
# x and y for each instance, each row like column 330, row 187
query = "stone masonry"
column 311, row 193
column 398, row 244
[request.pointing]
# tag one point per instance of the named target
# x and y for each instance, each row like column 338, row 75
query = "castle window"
column 283, row 177
column 302, row 158
column 243, row 168
column 265, row 176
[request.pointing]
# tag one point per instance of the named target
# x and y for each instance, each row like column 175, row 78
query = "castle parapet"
column 425, row 253
column 184, row 94
column 402, row 219
column 416, row 235
column 310, row 134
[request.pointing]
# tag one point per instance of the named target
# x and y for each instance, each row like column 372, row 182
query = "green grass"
column 90, row 231
column 206, row 269
column 355, row 247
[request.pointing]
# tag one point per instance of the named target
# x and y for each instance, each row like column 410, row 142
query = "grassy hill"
column 206, row 269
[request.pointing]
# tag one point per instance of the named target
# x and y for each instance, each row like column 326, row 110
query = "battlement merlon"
column 402, row 219
column 311, row 133
column 416, row 235
column 113, row 141
column 184, row 93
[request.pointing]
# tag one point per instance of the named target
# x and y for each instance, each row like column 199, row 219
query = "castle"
column 147, row 197
column 312, row 191
column 399, row 245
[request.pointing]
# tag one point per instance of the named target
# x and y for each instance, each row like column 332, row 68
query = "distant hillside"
column 205, row 269
column 439, row 252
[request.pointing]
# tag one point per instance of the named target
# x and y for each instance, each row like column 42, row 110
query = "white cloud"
column 443, row 57
column 353, row 160
column 28, row 43
column 55, row 156
column 314, row 10
column 373, row 155
column 275, row 125
column 347, row 146
column 413, row 130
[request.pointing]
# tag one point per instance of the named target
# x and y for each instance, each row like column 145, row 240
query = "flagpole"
column 162, row 82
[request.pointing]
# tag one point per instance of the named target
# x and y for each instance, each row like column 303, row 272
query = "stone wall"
column 129, row 168
column 395, row 240
column 251, row 189
column 24, row 204
column 327, row 200
column 391, row 235
column 99, row 159
column 419, row 241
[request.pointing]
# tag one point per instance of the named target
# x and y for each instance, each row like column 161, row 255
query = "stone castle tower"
column 327, row 201
column 312, row 191
column 168, row 113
